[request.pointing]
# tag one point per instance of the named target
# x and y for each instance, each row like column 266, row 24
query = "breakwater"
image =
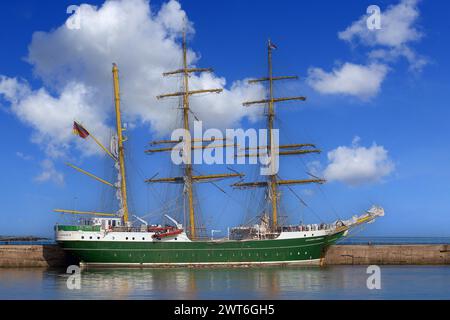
column 28, row 256
column 410, row 254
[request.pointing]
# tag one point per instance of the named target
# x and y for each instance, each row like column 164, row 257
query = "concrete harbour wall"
column 27, row 256
column 30, row 256
column 388, row 255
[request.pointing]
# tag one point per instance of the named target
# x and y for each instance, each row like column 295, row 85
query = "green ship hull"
column 140, row 254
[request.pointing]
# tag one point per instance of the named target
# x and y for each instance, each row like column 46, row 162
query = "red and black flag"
column 79, row 130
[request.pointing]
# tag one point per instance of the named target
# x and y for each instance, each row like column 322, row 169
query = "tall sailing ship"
column 112, row 240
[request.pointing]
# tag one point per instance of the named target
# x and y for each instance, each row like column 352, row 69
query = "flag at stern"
column 79, row 130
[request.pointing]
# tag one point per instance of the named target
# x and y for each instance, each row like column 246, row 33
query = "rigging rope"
column 305, row 166
column 304, row 203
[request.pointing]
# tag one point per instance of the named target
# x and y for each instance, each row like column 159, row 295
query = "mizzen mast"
column 273, row 182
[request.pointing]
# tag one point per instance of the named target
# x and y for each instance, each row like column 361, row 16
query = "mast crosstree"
column 273, row 182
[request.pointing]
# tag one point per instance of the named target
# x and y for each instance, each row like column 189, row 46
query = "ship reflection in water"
column 337, row 282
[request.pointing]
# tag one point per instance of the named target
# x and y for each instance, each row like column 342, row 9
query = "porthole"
column 290, row 253
column 143, row 239
column 98, row 238
column 126, row 238
column 313, row 234
column 133, row 238
column 176, row 239
column 82, row 237
column 277, row 254
column 90, row 238
column 298, row 253
column 304, row 235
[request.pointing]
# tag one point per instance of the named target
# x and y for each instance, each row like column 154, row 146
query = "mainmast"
column 188, row 179
column 188, row 166
column 121, row 153
column 273, row 188
column 273, row 182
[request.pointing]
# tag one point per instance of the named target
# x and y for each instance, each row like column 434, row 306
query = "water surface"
column 334, row 282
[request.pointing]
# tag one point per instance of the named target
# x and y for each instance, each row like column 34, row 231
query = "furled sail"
column 114, row 148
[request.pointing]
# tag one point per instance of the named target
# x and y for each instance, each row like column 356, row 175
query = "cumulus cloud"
column 397, row 26
column 398, row 30
column 349, row 79
column 51, row 117
column 75, row 68
column 49, row 173
column 11, row 90
column 356, row 165
column 416, row 61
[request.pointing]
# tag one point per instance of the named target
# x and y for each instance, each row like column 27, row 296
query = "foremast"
column 189, row 178
column 273, row 182
column 120, row 151
column 116, row 153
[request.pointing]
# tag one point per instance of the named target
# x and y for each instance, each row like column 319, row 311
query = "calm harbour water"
column 336, row 282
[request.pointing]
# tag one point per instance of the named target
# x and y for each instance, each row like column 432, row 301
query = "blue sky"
column 389, row 89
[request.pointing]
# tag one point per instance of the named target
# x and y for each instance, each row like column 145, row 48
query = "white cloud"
column 350, row 79
column 356, row 165
column 49, row 173
column 173, row 18
column 416, row 61
column 52, row 117
column 24, row 156
column 11, row 89
column 398, row 30
column 397, row 27
column 75, row 67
